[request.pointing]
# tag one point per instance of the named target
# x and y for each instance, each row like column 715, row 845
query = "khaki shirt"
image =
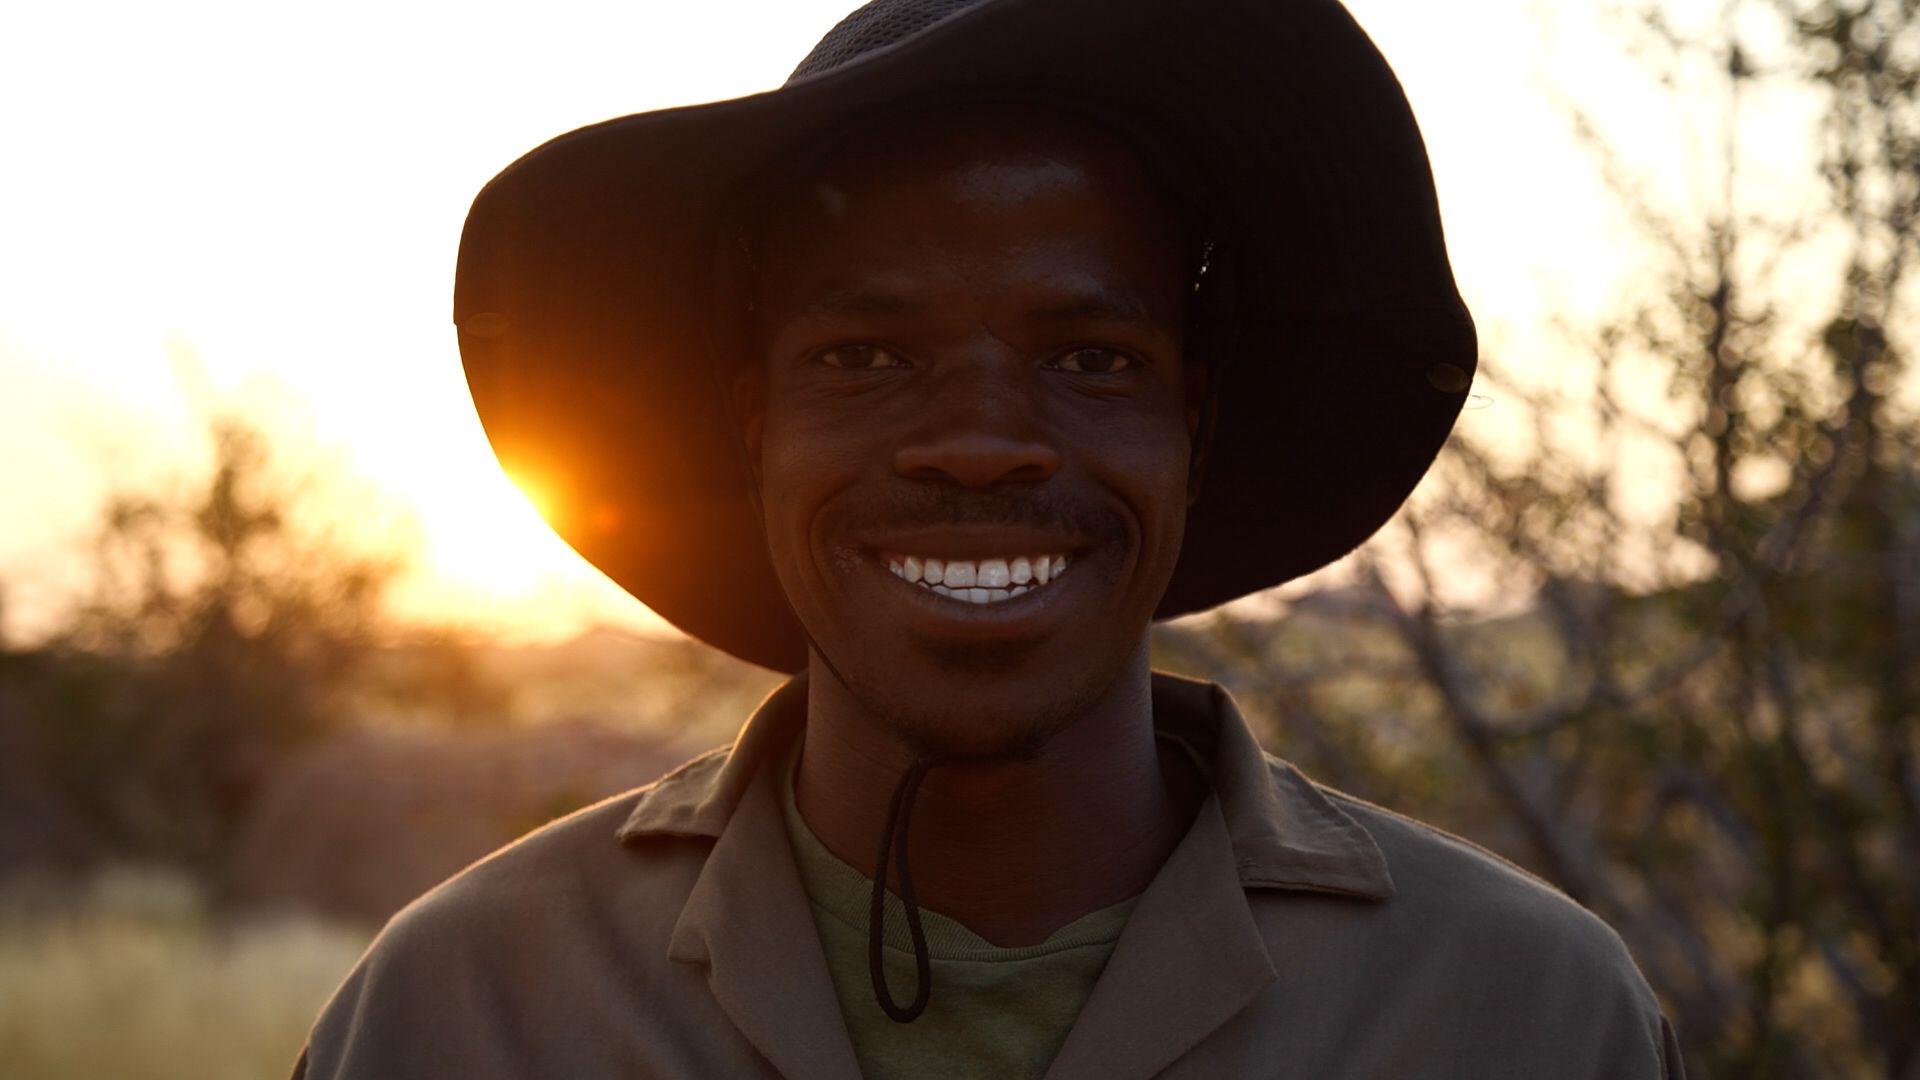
column 1293, row 932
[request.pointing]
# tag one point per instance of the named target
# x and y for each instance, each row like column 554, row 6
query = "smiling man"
column 933, row 378
column 974, row 431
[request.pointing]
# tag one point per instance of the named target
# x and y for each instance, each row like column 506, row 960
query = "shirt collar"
column 1285, row 832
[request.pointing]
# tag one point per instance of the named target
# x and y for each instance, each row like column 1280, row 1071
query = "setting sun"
column 488, row 534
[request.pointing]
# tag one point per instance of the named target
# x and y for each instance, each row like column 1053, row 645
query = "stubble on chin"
column 964, row 729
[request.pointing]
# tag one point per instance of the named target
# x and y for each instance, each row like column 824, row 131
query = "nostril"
column 978, row 460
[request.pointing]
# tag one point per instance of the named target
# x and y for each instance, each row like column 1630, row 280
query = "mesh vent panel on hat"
column 874, row 26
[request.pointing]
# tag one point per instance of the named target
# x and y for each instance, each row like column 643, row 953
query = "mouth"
column 991, row 580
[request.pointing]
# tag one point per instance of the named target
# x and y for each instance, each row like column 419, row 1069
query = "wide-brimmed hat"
column 585, row 290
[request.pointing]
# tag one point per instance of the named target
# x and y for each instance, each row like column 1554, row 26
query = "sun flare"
column 488, row 559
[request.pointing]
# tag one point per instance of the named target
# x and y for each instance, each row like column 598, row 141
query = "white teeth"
column 983, row 581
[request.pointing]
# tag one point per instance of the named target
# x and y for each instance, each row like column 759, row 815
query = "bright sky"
column 258, row 205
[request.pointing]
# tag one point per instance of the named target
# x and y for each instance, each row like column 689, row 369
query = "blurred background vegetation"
column 1656, row 636
column 1704, row 722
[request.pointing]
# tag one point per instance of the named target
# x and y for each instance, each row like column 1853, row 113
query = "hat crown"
column 872, row 27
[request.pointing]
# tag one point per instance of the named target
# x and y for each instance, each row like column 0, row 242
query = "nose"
column 978, row 432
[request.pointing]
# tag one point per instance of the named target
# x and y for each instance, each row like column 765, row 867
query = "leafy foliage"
column 217, row 638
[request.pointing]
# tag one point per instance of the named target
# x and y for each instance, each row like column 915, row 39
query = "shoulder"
column 1442, row 881
column 576, row 903
column 566, row 870
column 1485, row 946
column 571, row 869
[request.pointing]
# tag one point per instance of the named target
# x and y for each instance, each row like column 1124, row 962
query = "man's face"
column 973, row 427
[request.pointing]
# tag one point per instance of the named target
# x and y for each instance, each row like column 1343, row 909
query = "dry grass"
column 130, row 980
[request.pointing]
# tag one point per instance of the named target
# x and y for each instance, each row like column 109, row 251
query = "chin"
column 982, row 703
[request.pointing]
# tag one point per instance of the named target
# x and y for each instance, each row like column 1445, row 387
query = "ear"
column 1203, row 408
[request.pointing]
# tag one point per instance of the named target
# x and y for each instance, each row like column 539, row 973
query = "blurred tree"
column 1705, row 725
column 218, row 635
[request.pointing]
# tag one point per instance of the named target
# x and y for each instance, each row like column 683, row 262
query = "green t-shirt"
column 995, row 1013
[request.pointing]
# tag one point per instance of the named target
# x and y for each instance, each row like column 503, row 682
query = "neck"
column 1013, row 849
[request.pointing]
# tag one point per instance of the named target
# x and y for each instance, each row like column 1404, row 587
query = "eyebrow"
column 1104, row 305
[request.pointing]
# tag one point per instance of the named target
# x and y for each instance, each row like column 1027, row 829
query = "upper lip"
column 975, row 542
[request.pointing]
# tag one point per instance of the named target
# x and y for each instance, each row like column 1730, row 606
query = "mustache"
column 921, row 507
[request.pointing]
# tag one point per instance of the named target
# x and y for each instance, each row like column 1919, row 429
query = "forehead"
column 977, row 189
column 975, row 148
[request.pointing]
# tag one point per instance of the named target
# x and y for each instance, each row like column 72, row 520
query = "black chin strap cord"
column 894, row 842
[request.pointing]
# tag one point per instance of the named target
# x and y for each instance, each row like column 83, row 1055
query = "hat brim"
column 584, row 293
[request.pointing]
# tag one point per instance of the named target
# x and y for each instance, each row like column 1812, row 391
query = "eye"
column 1093, row 360
column 860, row 358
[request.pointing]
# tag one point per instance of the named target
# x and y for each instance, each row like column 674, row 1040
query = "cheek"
column 1170, row 471
column 1146, row 464
column 805, row 458
column 785, row 479
column 804, row 447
